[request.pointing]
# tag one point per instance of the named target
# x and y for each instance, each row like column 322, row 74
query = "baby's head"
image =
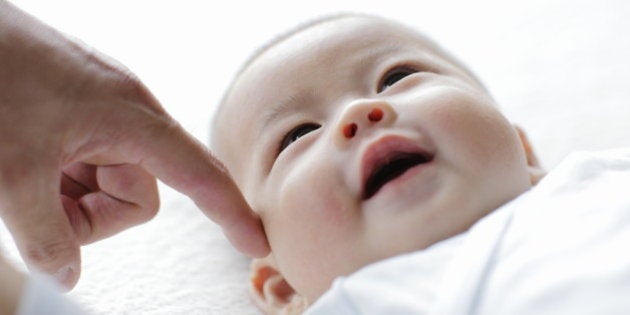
column 357, row 139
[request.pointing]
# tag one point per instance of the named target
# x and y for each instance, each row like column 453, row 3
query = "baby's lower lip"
column 400, row 181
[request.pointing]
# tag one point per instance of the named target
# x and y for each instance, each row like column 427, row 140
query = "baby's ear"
column 271, row 292
column 536, row 172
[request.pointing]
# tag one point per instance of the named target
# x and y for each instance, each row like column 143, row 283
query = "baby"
column 357, row 139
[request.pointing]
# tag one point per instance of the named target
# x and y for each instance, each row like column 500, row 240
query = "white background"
column 551, row 52
column 558, row 68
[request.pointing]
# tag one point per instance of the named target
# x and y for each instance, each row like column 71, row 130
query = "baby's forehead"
column 342, row 30
column 345, row 27
column 327, row 37
column 338, row 28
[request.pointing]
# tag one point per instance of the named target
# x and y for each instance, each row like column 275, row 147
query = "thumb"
column 32, row 211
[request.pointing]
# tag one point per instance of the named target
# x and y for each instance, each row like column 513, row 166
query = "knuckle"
column 150, row 203
column 150, row 196
column 131, row 87
column 160, row 127
column 153, row 202
column 144, row 193
column 128, row 84
column 51, row 251
column 150, row 209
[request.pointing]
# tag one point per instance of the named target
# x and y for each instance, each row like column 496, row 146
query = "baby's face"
column 356, row 140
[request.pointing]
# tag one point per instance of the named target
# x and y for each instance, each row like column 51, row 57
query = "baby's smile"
column 386, row 160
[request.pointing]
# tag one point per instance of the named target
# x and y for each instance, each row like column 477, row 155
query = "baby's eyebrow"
column 293, row 102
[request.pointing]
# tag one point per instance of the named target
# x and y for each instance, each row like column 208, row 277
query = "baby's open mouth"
column 398, row 165
column 387, row 161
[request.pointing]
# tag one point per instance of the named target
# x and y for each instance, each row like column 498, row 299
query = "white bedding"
column 559, row 69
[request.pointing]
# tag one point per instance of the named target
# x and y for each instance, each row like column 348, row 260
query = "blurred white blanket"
column 561, row 248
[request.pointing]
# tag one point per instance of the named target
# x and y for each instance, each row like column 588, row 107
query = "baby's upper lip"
column 387, row 158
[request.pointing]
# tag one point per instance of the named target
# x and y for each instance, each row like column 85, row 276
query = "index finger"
column 179, row 160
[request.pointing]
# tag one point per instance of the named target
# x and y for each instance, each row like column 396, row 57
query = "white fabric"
column 42, row 296
column 397, row 289
column 561, row 248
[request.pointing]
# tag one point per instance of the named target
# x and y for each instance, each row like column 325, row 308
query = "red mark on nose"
column 375, row 115
column 350, row 130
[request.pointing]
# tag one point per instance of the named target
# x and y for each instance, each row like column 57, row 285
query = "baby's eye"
column 296, row 133
column 392, row 76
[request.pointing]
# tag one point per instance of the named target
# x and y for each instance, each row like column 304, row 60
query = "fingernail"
column 64, row 276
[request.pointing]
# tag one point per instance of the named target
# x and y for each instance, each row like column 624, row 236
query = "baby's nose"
column 361, row 116
column 350, row 129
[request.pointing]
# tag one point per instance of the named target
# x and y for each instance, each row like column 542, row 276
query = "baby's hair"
column 319, row 20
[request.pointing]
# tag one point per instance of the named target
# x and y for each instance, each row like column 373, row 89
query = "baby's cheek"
column 316, row 193
column 314, row 226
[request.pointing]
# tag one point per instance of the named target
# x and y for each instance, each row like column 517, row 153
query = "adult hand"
column 81, row 143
